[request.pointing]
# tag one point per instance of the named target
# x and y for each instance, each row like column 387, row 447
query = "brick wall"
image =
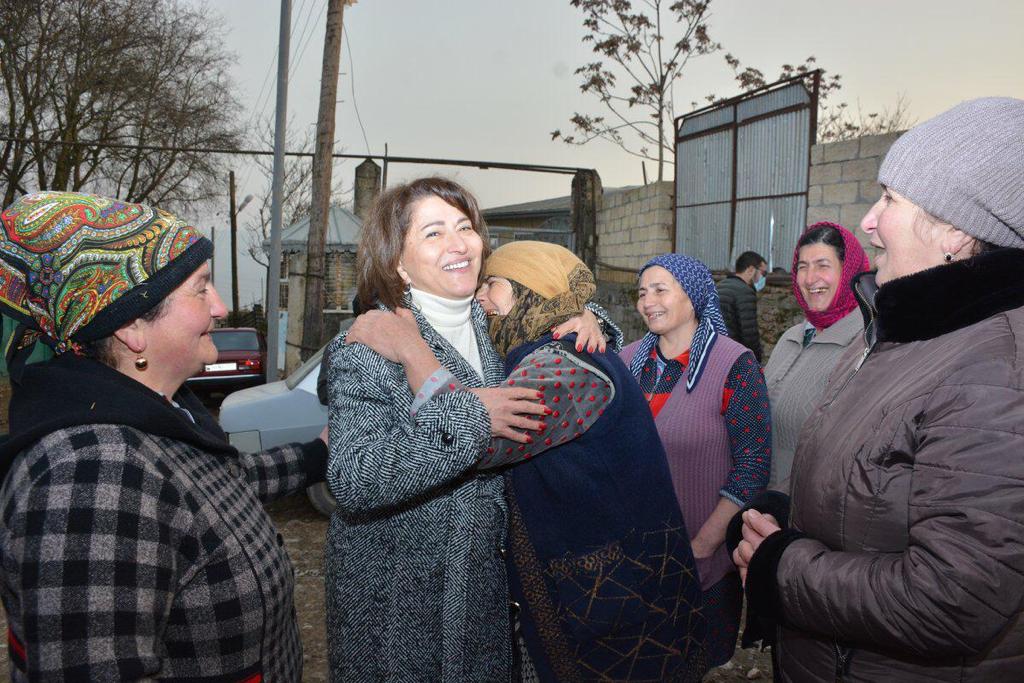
column 843, row 182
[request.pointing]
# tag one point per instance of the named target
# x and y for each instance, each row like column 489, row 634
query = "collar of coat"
column 942, row 299
column 449, row 357
column 68, row 391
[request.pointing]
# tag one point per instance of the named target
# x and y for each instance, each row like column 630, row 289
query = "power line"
column 352, row 81
column 305, row 37
column 259, row 106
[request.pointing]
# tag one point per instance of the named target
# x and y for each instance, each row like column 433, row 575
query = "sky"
column 490, row 79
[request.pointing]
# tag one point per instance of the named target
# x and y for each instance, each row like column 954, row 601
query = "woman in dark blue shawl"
column 599, row 556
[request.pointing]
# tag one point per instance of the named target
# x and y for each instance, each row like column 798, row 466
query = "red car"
column 241, row 362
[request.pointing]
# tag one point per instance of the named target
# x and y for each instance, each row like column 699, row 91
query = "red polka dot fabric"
column 575, row 391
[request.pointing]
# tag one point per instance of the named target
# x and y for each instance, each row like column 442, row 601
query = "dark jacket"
column 134, row 543
column 416, row 587
column 739, row 309
column 908, row 485
column 600, row 557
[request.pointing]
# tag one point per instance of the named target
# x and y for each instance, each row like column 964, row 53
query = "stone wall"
column 843, row 182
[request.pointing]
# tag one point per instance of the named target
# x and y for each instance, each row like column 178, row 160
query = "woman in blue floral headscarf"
column 715, row 425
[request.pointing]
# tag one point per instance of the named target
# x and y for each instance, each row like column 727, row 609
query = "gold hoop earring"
column 141, row 364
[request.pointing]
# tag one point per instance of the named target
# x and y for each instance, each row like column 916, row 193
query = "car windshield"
column 299, row 373
column 240, row 340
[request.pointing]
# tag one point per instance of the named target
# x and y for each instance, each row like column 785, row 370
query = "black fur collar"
column 949, row 297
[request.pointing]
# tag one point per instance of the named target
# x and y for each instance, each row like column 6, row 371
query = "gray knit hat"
column 966, row 167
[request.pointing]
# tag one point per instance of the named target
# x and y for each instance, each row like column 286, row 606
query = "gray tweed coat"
column 416, row 585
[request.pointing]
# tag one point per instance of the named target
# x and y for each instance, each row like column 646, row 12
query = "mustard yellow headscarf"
column 550, row 285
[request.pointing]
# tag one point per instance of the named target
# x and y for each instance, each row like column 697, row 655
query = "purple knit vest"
column 692, row 429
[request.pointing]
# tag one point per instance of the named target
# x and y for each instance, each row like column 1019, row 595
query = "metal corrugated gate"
column 741, row 168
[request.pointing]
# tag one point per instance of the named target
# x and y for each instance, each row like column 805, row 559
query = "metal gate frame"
column 733, row 125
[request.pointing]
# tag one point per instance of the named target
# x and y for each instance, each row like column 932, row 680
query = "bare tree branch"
column 70, row 72
column 630, row 45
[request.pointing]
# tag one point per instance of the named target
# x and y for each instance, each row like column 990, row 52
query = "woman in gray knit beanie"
column 904, row 554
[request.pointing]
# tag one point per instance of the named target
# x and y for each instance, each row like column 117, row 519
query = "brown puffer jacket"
column 909, row 485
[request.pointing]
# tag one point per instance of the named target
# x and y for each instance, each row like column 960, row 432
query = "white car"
column 278, row 413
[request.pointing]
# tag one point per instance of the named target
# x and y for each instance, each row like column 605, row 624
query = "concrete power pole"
column 313, row 304
column 234, row 249
column 277, row 191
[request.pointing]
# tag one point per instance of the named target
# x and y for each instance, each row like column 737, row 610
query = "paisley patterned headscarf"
column 76, row 267
column 549, row 283
column 699, row 286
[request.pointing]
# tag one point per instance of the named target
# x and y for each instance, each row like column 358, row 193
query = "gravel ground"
column 304, row 530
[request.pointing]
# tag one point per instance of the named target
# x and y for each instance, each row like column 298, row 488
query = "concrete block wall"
column 843, row 182
column 634, row 225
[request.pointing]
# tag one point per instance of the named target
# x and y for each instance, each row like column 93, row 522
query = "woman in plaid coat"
column 133, row 541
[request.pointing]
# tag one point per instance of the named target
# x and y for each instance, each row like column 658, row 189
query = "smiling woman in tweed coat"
column 416, row 585
column 133, row 542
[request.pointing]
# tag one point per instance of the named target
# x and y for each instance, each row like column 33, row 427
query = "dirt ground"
column 304, row 530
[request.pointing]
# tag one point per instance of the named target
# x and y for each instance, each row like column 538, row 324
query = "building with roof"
column 343, row 228
column 545, row 220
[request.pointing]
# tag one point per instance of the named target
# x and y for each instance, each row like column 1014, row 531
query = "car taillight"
column 251, row 363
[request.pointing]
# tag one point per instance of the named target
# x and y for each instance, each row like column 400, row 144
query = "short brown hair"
column 384, row 231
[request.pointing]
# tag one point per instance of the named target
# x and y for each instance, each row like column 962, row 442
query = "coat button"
column 234, row 469
column 447, row 439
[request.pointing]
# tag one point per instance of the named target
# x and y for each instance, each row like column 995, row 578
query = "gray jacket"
column 796, row 378
column 416, row 585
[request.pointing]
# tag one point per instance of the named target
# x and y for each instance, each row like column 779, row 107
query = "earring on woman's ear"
column 948, row 257
column 141, row 363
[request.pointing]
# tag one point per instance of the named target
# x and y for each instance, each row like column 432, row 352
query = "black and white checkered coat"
column 127, row 555
column 416, row 584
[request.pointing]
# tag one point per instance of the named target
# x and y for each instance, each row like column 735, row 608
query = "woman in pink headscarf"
column 826, row 258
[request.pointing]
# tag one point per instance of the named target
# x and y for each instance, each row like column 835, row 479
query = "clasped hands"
column 756, row 527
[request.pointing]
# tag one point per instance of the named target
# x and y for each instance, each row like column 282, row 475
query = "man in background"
column 738, row 294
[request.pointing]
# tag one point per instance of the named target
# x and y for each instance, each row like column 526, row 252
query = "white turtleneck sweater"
column 451, row 319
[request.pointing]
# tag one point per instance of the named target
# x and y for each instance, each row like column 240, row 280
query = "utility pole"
column 234, row 249
column 313, row 302
column 277, row 192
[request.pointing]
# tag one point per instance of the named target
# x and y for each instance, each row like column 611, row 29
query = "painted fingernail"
column 579, row 347
column 529, row 439
column 548, row 411
column 555, row 335
column 540, row 395
column 590, row 349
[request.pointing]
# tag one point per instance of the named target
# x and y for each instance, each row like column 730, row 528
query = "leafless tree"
column 86, row 81
column 638, row 66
